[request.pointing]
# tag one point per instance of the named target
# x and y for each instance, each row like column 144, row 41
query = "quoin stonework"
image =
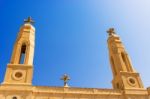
column 17, row 84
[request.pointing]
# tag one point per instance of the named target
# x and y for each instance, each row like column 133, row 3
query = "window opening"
column 22, row 55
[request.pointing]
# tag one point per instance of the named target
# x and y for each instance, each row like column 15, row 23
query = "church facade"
column 17, row 84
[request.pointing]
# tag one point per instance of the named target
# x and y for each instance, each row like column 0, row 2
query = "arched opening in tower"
column 22, row 54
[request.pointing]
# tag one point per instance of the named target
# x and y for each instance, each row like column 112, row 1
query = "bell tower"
column 20, row 68
column 124, row 75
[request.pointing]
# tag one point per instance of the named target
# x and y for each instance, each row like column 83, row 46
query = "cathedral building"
column 17, row 84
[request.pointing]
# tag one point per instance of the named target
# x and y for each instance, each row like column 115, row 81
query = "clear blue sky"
column 71, row 38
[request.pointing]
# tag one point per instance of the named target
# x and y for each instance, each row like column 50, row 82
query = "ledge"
column 37, row 90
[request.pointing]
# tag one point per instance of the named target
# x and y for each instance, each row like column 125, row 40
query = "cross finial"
column 65, row 78
column 29, row 20
column 111, row 31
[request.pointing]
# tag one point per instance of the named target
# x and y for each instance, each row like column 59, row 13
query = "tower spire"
column 124, row 76
column 20, row 68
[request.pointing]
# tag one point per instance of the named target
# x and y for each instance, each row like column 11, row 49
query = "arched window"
column 22, row 54
column 117, row 85
column 14, row 97
column 113, row 66
column 123, row 58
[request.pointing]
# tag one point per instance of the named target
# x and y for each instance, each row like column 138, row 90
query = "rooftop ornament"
column 111, row 31
column 65, row 78
column 29, row 20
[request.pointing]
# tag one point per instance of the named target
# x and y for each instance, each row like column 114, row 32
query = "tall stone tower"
column 20, row 68
column 124, row 76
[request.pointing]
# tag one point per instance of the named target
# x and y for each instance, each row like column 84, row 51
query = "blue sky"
column 71, row 38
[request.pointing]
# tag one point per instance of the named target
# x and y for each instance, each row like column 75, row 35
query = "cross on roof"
column 65, row 78
column 29, row 20
column 111, row 31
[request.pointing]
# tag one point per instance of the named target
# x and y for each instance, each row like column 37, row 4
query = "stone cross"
column 65, row 78
column 111, row 31
column 29, row 20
